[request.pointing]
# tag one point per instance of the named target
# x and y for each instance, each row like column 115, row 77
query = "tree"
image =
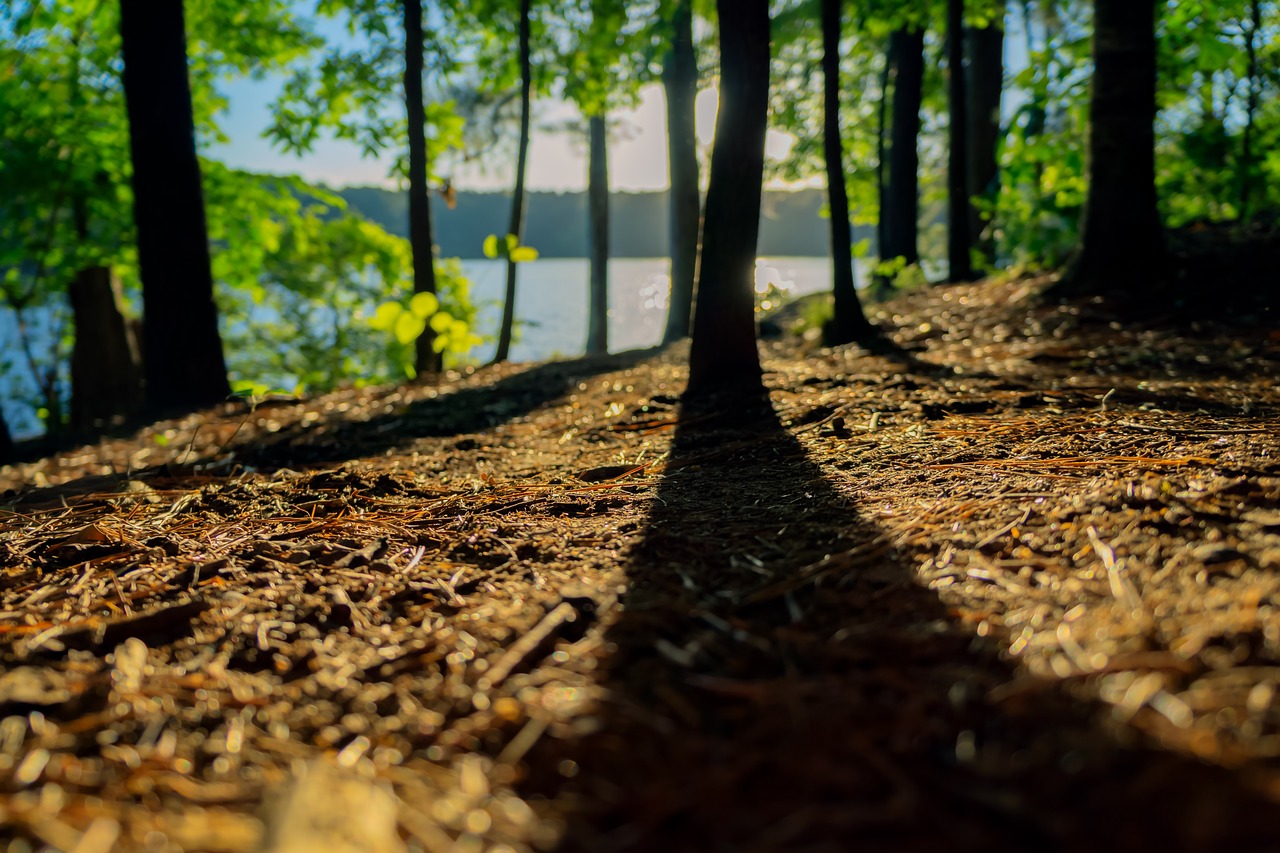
column 182, row 351
column 1122, row 238
column 984, row 81
column 723, row 352
column 680, row 83
column 1253, row 95
column 598, row 205
column 421, row 237
column 900, row 159
column 849, row 322
column 959, row 239
column 516, row 225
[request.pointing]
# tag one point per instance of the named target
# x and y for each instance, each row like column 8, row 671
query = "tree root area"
column 1017, row 583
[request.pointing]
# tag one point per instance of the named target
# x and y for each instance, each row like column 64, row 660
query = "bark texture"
column 516, row 225
column 1122, row 244
column 984, row 80
column 106, row 369
column 182, row 349
column 900, row 187
column 723, row 353
column 849, row 322
column 959, row 239
column 421, row 238
column 598, row 202
column 680, row 83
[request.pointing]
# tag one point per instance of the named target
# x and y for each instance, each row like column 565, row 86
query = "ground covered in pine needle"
column 1019, row 586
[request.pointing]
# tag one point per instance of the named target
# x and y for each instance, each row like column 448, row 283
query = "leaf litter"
column 1018, row 586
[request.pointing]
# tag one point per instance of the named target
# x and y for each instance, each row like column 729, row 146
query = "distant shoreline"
column 791, row 222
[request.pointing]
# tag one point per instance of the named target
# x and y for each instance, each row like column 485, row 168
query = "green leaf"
column 408, row 327
column 385, row 317
column 491, row 246
column 524, row 253
column 423, row 305
column 513, row 243
column 441, row 322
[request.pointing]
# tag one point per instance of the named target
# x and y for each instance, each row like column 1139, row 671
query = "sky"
column 557, row 160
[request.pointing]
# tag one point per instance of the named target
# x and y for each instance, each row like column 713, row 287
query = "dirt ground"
column 1019, row 587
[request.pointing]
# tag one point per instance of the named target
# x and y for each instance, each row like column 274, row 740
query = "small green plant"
column 508, row 248
column 450, row 315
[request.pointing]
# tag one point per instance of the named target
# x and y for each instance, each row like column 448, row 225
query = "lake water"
column 551, row 313
column 551, row 300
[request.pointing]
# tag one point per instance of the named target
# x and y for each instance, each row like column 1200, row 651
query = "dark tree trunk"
column 8, row 448
column 516, row 226
column 106, row 371
column 1121, row 237
column 959, row 241
column 680, row 83
column 723, row 353
column 421, row 239
column 182, row 350
column 900, row 190
column 1245, row 172
column 984, row 79
column 848, row 323
column 598, row 202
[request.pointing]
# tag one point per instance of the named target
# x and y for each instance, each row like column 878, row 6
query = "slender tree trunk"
column 8, row 448
column 516, row 225
column 182, row 350
column 598, row 202
column 421, row 239
column 882, row 149
column 1036, row 115
column 1245, row 171
column 984, row 79
column 900, row 193
column 680, row 83
column 849, row 322
column 106, row 373
column 959, row 241
column 723, row 353
column 1122, row 244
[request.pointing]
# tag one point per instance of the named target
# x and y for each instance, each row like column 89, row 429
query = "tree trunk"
column 680, row 83
column 723, row 353
column 849, row 322
column 900, row 191
column 1121, row 236
column 1254, row 79
column 959, row 241
column 598, row 202
column 182, row 350
column 8, row 448
column 421, row 239
column 985, row 82
column 106, row 371
column 516, row 225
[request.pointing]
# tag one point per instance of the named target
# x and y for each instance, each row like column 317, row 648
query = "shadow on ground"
column 459, row 412
column 755, row 703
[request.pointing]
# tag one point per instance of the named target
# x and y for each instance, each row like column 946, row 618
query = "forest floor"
column 1019, row 587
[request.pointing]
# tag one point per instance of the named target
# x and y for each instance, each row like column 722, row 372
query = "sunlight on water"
column 551, row 300
column 656, row 292
column 769, row 278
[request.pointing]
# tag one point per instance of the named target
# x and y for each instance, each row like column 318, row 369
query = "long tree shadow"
column 458, row 412
column 341, row 434
column 763, row 695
